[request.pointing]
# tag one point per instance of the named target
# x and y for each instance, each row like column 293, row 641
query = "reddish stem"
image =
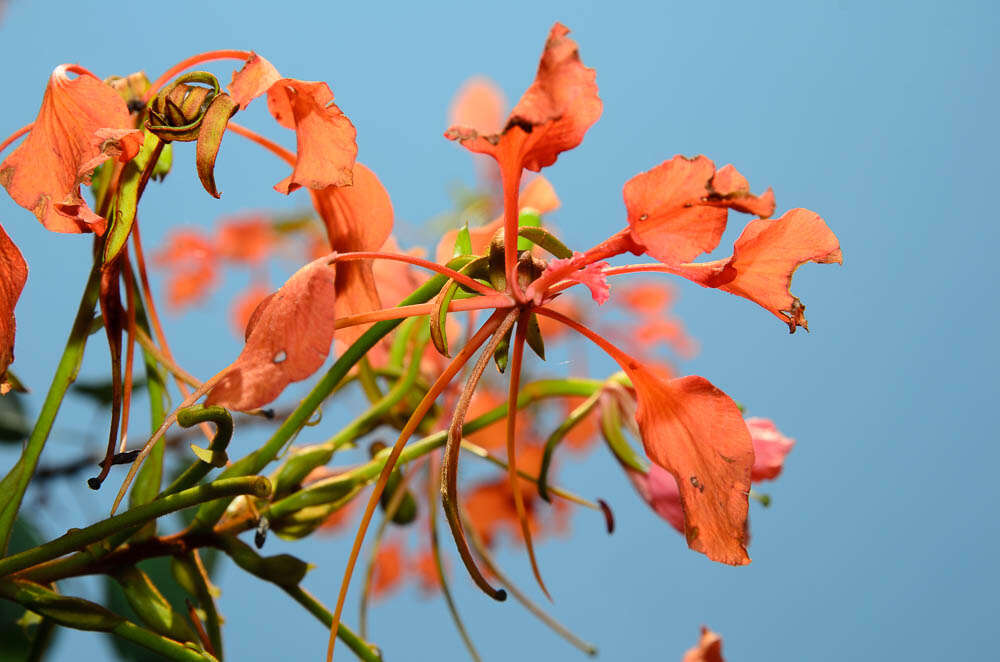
column 418, row 262
column 190, row 62
column 511, row 183
column 498, row 302
column 14, row 136
column 618, row 355
column 411, row 425
column 130, row 296
column 512, row 477
column 268, row 144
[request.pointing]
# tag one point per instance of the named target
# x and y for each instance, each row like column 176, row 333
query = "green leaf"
column 125, row 204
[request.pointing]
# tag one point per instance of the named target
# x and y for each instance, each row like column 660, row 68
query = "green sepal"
column 528, row 218
column 154, row 610
column 545, row 239
column 281, row 569
column 75, row 613
column 215, row 458
column 123, row 208
column 501, row 355
column 463, row 242
column 611, row 429
column 534, row 336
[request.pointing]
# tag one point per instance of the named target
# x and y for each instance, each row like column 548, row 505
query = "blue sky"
column 881, row 117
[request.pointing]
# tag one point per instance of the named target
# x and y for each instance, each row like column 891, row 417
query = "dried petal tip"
column 44, row 173
column 253, row 80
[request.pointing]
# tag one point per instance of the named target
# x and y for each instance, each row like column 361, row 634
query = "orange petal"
column 696, row 432
column 677, row 210
column 764, row 258
column 253, row 80
column 45, row 171
column 551, row 117
column 709, row 648
column 479, row 105
column 388, row 571
column 325, row 138
column 13, row 274
column 288, row 339
column 357, row 218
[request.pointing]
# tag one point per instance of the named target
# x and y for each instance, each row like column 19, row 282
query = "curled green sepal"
column 575, row 418
column 534, row 336
column 177, row 111
column 439, row 314
column 463, row 242
column 546, row 240
column 150, row 606
column 213, row 127
column 281, row 569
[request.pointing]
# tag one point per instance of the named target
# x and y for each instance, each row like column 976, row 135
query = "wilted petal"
column 769, row 448
column 44, row 173
column 357, row 218
column 325, row 138
column 677, row 210
column 551, row 117
column 288, row 339
column 13, row 274
column 696, row 432
column 253, row 80
column 709, row 648
column 764, row 258
column 119, row 144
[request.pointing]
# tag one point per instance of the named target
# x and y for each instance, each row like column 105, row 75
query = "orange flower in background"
column 389, row 566
column 248, row 238
column 708, row 649
column 69, row 139
column 192, row 261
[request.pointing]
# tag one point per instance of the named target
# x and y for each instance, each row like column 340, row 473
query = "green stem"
column 15, row 483
column 78, row 538
column 331, row 489
column 575, row 418
column 361, row 648
column 168, row 648
column 209, row 514
column 223, row 434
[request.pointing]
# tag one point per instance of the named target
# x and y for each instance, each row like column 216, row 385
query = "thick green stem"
column 253, row 463
column 15, row 483
column 77, row 539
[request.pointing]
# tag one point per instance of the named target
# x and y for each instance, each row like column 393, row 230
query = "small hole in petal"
column 280, row 357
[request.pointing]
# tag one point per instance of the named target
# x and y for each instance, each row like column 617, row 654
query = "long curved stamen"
column 14, row 136
column 190, row 62
column 618, row 355
column 284, row 154
column 515, row 482
column 417, row 262
column 411, row 425
column 449, row 465
column 399, row 312
column 130, row 327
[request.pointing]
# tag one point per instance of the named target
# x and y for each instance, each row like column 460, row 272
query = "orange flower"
column 81, row 123
column 192, row 261
column 709, row 648
column 389, row 565
column 248, row 238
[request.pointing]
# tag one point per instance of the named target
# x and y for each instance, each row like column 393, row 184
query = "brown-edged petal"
column 325, row 138
column 678, row 210
column 44, row 174
column 696, row 432
column 288, row 339
column 253, row 80
column 13, row 274
column 764, row 258
column 551, row 117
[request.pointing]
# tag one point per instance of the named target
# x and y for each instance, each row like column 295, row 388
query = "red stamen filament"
column 190, row 62
column 498, row 302
column 268, row 144
column 418, row 262
column 14, row 136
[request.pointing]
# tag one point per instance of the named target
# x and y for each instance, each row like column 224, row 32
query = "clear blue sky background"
column 882, row 540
